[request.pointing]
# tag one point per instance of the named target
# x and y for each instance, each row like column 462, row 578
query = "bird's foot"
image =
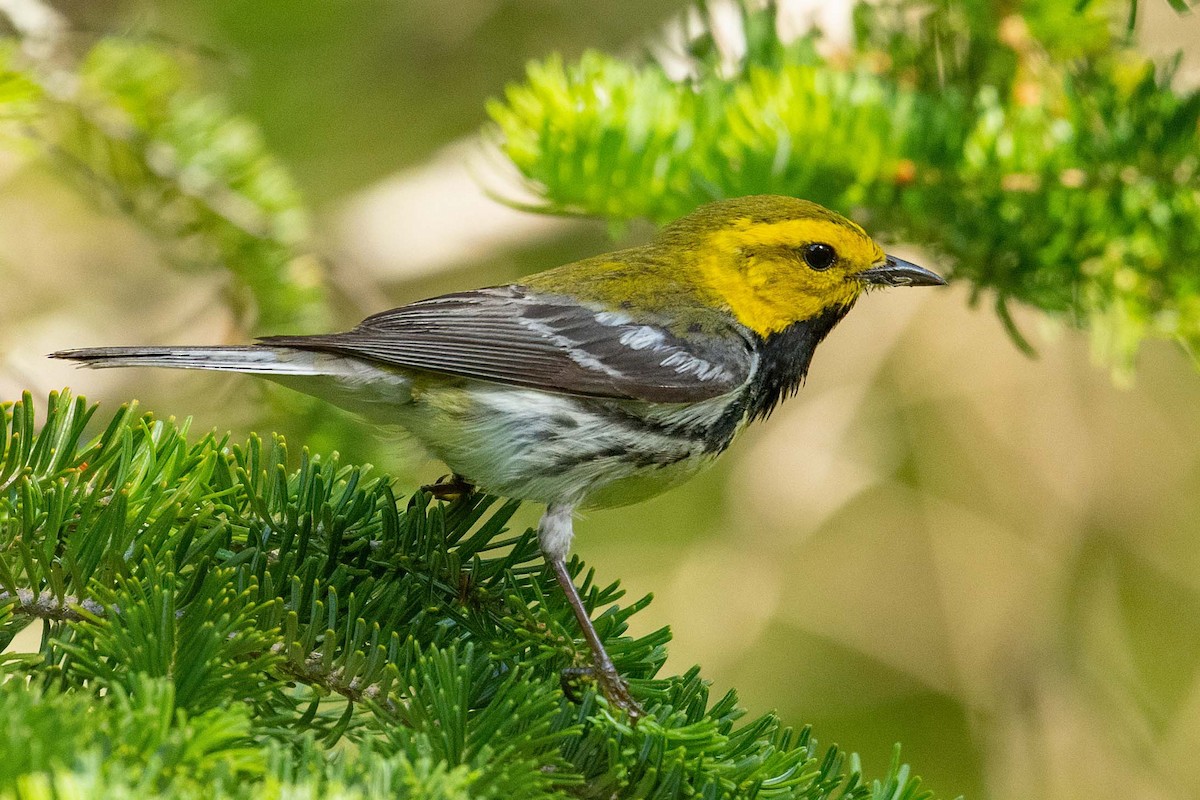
column 449, row 487
column 611, row 684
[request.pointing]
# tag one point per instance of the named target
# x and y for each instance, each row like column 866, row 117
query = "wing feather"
column 513, row 335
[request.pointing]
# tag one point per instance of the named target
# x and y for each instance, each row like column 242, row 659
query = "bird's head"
column 776, row 260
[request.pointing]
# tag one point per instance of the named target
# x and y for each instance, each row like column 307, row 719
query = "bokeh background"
column 991, row 558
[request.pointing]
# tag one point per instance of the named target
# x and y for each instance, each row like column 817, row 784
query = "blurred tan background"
column 990, row 558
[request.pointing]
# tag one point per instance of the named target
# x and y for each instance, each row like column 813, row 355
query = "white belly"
column 555, row 449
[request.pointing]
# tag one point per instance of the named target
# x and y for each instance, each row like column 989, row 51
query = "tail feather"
column 355, row 384
column 239, row 358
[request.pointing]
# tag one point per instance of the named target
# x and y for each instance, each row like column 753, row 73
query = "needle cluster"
column 1029, row 146
column 217, row 622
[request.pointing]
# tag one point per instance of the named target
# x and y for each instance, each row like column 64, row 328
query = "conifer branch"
column 45, row 605
column 244, row 606
column 309, row 670
column 1035, row 153
column 124, row 121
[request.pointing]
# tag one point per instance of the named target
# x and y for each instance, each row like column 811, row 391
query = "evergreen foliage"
column 126, row 124
column 218, row 622
column 215, row 624
column 1026, row 144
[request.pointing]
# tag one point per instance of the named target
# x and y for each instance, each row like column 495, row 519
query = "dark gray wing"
column 513, row 335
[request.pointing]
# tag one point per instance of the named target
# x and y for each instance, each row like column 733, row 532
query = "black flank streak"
column 626, row 418
column 718, row 436
column 568, row 463
column 639, row 459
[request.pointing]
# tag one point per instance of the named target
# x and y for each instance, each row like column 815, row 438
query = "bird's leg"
column 611, row 682
column 554, row 534
column 449, row 487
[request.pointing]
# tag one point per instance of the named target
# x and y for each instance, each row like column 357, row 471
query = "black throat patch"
column 784, row 359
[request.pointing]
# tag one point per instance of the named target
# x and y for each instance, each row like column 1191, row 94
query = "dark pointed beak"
column 898, row 272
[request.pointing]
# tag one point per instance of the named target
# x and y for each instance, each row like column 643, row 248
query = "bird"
column 594, row 384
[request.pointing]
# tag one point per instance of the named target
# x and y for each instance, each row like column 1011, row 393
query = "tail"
column 240, row 358
column 355, row 384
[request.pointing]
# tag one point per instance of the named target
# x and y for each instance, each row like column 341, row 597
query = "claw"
column 569, row 680
column 449, row 487
column 612, row 686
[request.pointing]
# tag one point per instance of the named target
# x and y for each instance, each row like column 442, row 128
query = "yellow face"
column 774, row 274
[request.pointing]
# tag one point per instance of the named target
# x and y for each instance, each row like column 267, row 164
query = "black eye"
column 819, row 256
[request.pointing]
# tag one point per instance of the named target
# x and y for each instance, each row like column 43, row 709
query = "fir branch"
column 338, row 680
column 214, row 608
column 45, row 605
column 309, row 670
column 125, row 121
column 1030, row 149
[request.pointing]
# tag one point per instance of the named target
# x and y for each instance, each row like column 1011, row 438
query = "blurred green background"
column 990, row 558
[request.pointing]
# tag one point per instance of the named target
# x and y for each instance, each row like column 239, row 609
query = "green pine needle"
column 135, row 134
column 217, row 623
column 1034, row 153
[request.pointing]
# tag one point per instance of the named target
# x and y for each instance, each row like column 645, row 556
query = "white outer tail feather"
column 238, row 358
column 373, row 390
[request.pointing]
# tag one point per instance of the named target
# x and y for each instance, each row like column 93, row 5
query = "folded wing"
column 513, row 335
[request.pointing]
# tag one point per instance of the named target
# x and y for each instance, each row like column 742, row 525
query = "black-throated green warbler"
column 597, row 383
